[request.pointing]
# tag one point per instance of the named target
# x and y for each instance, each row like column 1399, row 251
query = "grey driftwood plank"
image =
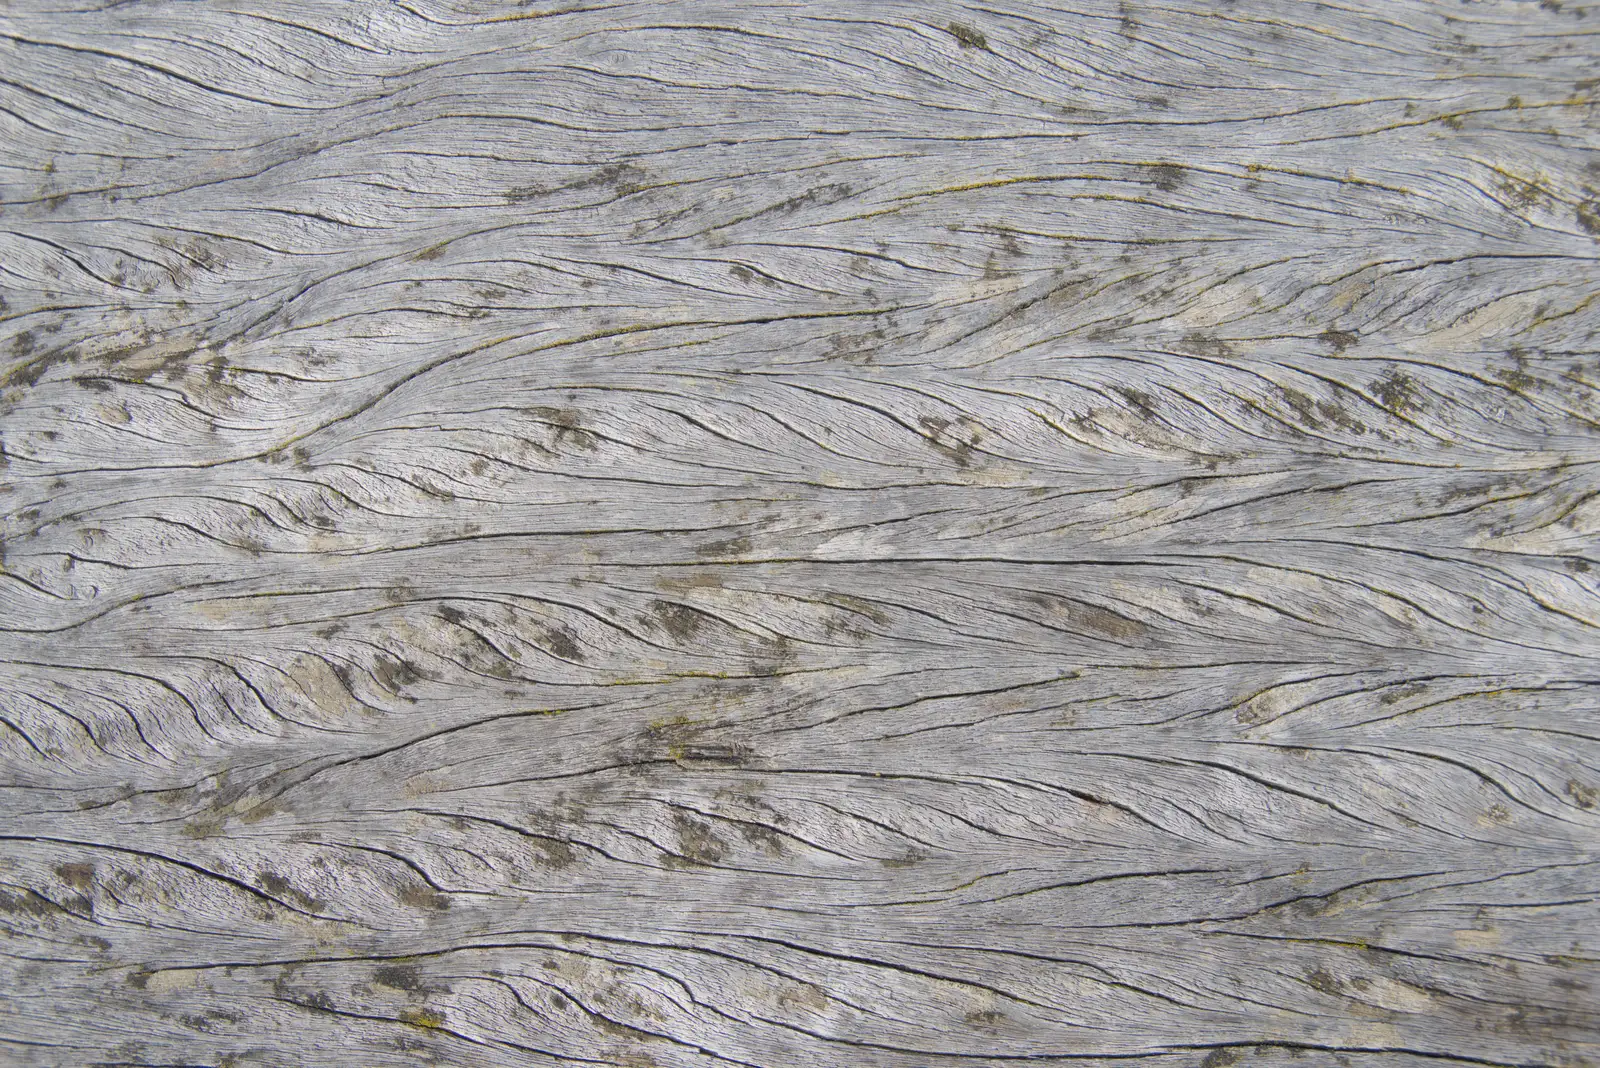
column 787, row 534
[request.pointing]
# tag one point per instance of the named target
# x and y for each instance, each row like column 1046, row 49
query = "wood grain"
column 800, row 534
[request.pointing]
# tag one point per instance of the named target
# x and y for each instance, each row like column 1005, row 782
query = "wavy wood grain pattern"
column 800, row 534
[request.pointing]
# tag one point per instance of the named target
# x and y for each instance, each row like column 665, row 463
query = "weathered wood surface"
column 797, row 534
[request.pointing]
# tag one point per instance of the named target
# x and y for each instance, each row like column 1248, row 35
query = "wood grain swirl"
column 789, row 534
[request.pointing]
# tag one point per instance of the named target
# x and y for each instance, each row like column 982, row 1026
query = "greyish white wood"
column 799, row 534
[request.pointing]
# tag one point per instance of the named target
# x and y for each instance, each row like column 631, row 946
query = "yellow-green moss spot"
column 202, row 827
column 425, row 1018
column 424, row 897
column 1524, row 193
column 1588, row 213
column 1397, row 393
column 968, row 37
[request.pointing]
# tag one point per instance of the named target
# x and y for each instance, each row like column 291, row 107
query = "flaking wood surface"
column 799, row 534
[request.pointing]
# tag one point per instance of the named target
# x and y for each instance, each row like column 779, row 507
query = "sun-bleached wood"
column 799, row 534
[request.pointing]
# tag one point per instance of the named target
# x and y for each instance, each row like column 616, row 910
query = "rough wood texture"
column 800, row 534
